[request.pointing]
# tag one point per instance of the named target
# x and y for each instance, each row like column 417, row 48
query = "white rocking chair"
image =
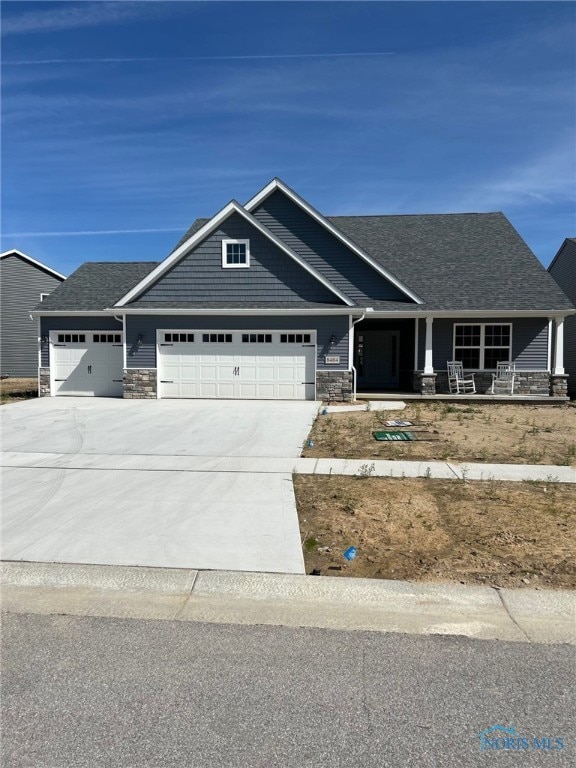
column 504, row 377
column 458, row 383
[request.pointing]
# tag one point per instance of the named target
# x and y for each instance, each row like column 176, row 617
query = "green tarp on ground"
column 393, row 436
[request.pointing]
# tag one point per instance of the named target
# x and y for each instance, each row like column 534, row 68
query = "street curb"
column 289, row 600
column 103, row 577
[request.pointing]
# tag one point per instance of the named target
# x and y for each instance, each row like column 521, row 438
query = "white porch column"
column 559, row 347
column 416, row 344
column 428, row 360
column 124, row 341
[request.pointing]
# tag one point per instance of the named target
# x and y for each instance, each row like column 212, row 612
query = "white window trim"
column 43, row 296
column 230, row 241
column 482, row 344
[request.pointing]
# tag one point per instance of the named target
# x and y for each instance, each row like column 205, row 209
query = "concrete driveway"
column 116, row 482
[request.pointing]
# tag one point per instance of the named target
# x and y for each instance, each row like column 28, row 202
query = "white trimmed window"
column 235, row 254
column 480, row 346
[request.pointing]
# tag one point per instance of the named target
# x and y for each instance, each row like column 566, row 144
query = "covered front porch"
column 408, row 357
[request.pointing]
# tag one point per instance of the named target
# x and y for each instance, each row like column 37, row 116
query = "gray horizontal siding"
column 272, row 275
column 529, row 341
column 324, row 251
column 563, row 270
column 143, row 354
column 570, row 352
column 47, row 324
column 21, row 284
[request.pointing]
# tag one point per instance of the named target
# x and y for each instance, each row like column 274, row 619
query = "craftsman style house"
column 272, row 299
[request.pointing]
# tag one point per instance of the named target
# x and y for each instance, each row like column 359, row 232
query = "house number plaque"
column 332, row 359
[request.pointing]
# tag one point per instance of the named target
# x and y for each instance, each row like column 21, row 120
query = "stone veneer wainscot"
column 334, row 385
column 44, row 382
column 140, row 383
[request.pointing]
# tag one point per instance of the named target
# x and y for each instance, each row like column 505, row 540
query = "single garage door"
column 274, row 365
column 86, row 363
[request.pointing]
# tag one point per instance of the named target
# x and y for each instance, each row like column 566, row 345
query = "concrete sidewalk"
column 272, row 464
column 529, row 616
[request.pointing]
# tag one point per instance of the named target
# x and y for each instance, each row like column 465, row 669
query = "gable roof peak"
column 278, row 184
column 34, row 262
column 206, row 229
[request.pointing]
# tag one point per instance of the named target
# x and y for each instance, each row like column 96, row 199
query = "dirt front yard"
column 490, row 532
column 12, row 390
column 500, row 434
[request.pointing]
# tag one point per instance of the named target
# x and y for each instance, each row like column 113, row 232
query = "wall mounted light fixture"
column 332, row 340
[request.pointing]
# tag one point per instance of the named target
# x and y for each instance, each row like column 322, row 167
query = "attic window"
column 235, row 254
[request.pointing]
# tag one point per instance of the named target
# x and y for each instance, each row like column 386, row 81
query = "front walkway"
column 277, row 465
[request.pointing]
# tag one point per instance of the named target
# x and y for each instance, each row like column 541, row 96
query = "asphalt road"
column 80, row 691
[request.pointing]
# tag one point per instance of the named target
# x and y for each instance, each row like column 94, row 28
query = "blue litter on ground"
column 350, row 553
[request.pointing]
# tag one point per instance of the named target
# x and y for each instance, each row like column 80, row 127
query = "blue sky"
column 130, row 120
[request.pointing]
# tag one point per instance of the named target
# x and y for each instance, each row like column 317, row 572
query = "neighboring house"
column 23, row 283
column 272, row 299
column 563, row 270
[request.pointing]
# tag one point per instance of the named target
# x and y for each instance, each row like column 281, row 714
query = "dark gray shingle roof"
column 453, row 261
column 461, row 261
column 96, row 285
column 457, row 260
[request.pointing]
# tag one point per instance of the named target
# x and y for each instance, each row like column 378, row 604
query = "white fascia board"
column 277, row 184
column 475, row 313
column 73, row 313
column 15, row 252
column 236, row 312
column 232, row 207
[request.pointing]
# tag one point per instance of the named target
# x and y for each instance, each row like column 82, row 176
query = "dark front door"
column 377, row 358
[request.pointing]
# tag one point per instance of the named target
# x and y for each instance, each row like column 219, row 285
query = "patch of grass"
column 424, row 529
column 492, row 432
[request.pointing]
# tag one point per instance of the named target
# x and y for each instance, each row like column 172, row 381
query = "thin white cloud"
column 546, row 179
column 135, row 59
column 71, row 16
column 86, row 232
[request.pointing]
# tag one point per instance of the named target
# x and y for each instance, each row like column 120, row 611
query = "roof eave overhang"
column 232, row 207
column 488, row 313
column 368, row 311
column 278, row 184
column 73, row 312
column 248, row 311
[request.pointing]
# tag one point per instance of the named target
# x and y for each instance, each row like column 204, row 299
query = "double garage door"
column 86, row 363
column 215, row 364
column 237, row 364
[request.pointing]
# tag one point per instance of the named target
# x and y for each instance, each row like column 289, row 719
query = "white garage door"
column 86, row 363
column 273, row 365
